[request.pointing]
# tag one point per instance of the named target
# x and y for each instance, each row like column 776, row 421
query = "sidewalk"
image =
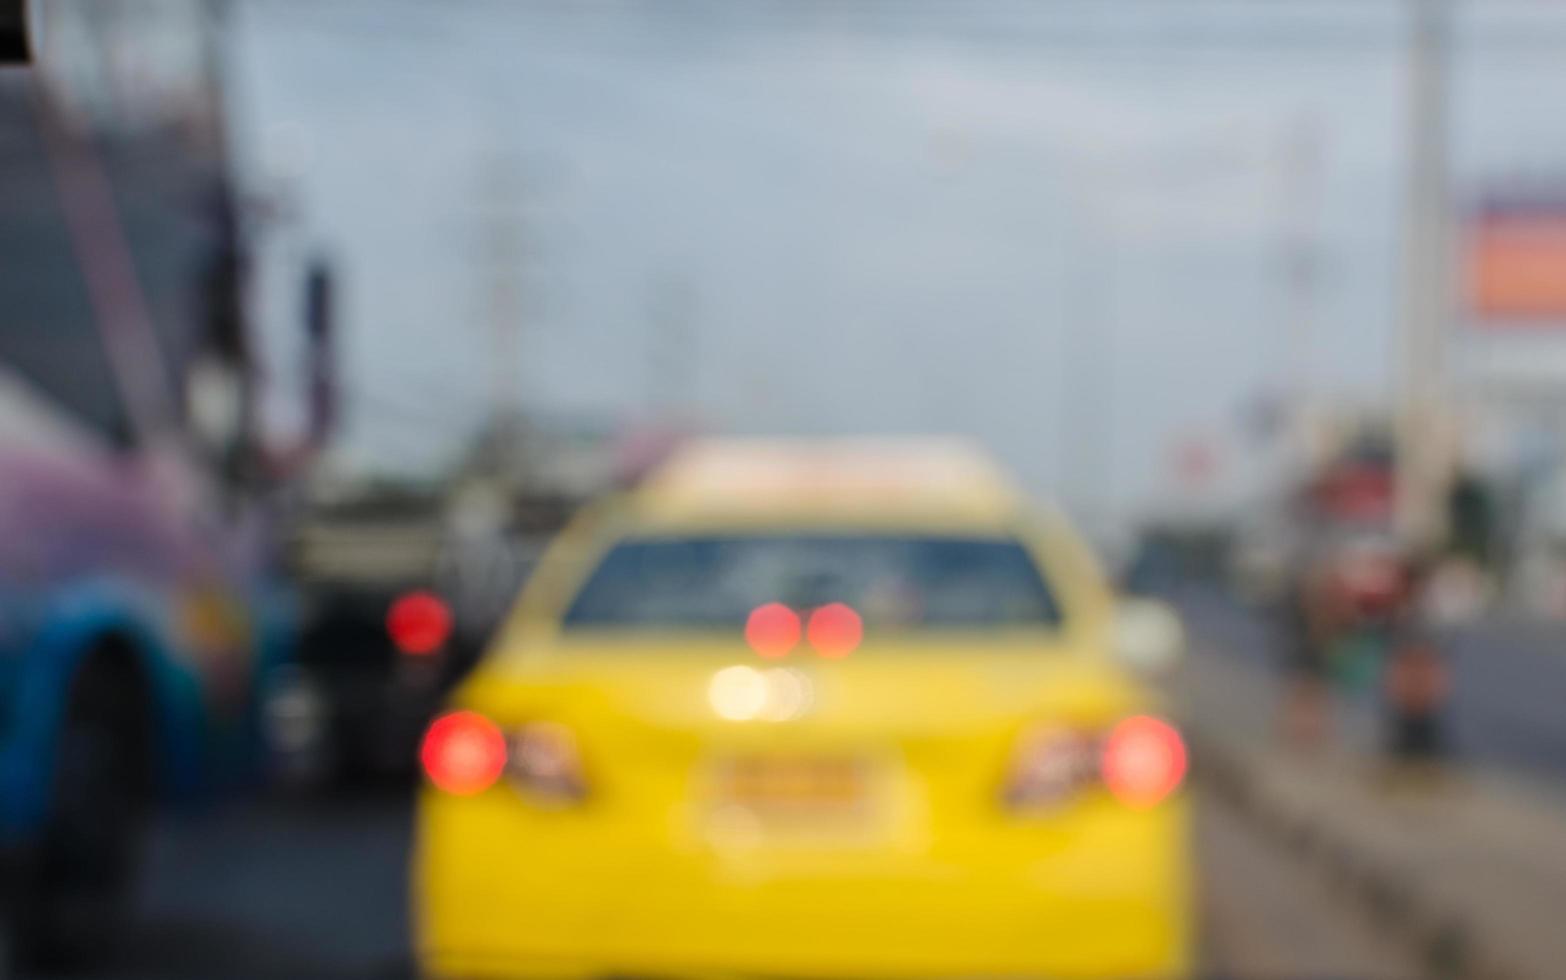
column 1473, row 870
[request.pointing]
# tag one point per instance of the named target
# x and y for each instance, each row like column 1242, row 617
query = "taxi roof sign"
column 830, row 474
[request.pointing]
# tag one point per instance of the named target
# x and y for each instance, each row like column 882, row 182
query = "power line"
column 1313, row 26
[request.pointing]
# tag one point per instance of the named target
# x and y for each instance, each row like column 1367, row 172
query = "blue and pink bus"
column 140, row 613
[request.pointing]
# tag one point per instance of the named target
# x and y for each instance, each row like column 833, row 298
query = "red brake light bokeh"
column 463, row 753
column 1144, row 761
column 835, row 630
column 772, row 630
column 419, row 623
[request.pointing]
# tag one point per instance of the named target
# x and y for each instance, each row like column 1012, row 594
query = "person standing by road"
column 1310, row 622
column 1416, row 684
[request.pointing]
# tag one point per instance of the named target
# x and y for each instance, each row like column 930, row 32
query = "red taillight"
column 1140, row 761
column 1143, row 761
column 1050, row 766
column 546, row 762
column 419, row 623
column 463, row 753
column 772, row 630
column 835, row 630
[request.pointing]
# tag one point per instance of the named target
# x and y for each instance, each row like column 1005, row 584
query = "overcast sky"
column 1056, row 227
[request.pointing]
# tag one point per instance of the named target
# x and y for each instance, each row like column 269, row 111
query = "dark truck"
column 376, row 644
column 401, row 589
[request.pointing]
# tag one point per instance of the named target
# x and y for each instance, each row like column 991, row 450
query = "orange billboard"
column 1515, row 265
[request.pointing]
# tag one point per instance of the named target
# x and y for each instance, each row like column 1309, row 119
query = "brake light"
column 463, row 753
column 835, row 630
column 1143, row 761
column 1140, row 761
column 419, row 623
column 772, row 630
column 545, row 761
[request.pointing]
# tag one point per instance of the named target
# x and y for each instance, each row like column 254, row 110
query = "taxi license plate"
column 784, row 787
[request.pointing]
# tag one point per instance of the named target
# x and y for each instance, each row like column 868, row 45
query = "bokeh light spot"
column 772, row 630
column 835, row 630
column 419, row 623
column 738, row 693
column 1144, row 761
column 463, row 753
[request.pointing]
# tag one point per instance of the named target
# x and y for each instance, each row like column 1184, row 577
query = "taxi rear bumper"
column 1103, row 893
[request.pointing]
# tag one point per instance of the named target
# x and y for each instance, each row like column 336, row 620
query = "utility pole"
column 503, row 245
column 1423, row 424
column 1301, row 172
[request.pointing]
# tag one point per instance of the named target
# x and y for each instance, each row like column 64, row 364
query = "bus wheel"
column 83, row 873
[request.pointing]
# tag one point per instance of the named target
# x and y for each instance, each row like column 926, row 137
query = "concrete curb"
column 1446, row 941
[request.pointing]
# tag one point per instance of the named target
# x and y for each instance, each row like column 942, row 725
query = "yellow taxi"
column 810, row 709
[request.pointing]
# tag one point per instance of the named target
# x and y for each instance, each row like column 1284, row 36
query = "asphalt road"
column 1507, row 680
column 276, row 889
column 318, row 890
column 1267, row 916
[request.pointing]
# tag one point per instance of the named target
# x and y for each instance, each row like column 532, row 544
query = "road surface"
column 318, row 890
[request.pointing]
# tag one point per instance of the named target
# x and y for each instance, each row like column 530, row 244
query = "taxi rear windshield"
column 891, row 581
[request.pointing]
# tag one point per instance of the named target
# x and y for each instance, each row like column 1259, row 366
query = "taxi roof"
column 924, row 482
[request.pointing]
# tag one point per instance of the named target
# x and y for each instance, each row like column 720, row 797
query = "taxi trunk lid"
column 870, row 749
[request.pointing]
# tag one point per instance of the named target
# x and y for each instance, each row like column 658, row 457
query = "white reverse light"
column 742, row 693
